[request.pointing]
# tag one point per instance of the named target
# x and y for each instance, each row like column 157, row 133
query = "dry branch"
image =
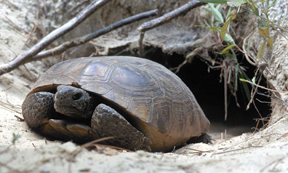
column 81, row 40
column 164, row 19
column 171, row 15
column 188, row 58
column 141, row 53
column 79, row 18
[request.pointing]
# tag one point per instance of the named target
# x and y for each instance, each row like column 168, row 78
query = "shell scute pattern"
column 146, row 89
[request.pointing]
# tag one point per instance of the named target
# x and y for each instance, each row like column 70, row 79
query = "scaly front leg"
column 40, row 115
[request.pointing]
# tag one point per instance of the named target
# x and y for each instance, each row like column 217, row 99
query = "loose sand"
column 265, row 151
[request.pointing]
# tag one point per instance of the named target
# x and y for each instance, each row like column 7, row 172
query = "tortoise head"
column 73, row 102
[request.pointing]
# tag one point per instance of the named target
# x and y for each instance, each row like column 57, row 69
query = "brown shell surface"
column 146, row 89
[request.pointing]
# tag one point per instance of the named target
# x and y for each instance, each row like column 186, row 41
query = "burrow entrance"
column 205, row 85
column 209, row 93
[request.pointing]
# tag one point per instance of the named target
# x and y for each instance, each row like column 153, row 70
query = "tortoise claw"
column 58, row 125
column 79, row 129
column 77, row 132
column 204, row 137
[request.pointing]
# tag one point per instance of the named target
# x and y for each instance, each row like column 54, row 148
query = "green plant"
column 231, row 70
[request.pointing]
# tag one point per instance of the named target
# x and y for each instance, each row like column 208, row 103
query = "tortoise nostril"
column 77, row 96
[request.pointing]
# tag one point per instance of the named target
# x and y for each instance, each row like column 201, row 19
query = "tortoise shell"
column 161, row 106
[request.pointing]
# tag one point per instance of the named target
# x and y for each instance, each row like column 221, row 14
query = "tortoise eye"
column 77, row 96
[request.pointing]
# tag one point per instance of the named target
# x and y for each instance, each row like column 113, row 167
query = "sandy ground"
column 265, row 151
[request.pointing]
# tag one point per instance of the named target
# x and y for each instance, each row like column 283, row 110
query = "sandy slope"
column 266, row 151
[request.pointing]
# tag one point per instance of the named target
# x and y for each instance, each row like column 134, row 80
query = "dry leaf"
column 226, row 24
column 261, row 51
column 270, row 43
column 264, row 32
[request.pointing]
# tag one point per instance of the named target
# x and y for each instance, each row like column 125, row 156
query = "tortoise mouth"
column 72, row 120
column 69, row 112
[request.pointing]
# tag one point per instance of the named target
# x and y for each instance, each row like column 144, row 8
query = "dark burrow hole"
column 209, row 93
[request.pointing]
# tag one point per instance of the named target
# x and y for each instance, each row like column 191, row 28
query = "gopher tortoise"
column 139, row 102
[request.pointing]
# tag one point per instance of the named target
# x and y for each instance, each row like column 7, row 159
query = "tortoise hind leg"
column 107, row 122
column 204, row 137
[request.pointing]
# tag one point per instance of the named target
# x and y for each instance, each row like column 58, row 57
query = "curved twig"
column 244, row 50
column 79, row 18
column 171, row 15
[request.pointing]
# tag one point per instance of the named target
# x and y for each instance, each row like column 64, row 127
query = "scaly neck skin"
column 73, row 102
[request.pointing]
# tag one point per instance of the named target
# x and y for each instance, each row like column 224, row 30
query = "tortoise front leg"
column 40, row 115
column 37, row 108
column 108, row 122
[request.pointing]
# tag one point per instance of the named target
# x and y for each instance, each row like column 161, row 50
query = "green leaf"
column 215, row 1
column 236, row 77
column 15, row 138
column 253, row 79
column 237, row 3
column 207, row 24
column 247, row 91
column 216, row 13
column 243, row 78
column 261, row 50
column 228, row 13
column 261, row 23
column 227, row 48
column 227, row 55
column 272, row 4
column 255, row 10
column 208, row 9
column 217, row 29
column 234, row 57
column 229, row 39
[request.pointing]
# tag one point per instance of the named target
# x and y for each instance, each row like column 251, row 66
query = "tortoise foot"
column 204, row 137
column 107, row 122
column 79, row 133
